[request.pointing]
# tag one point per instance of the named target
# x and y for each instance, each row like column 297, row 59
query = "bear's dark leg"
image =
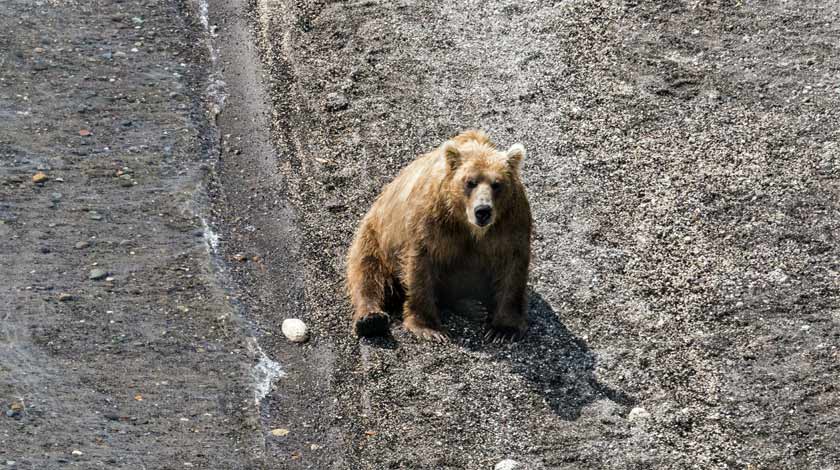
column 366, row 280
column 420, row 313
column 509, row 319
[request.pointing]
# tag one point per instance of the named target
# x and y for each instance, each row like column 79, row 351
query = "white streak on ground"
column 266, row 371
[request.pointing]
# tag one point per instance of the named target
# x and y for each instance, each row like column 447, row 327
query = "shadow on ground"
column 558, row 365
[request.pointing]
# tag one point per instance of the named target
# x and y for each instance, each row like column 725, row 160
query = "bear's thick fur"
column 455, row 222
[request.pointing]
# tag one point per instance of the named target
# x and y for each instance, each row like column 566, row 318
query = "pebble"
column 15, row 410
column 95, row 216
column 65, row 297
column 11, row 463
column 77, row 452
column 97, row 274
column 508, row 464
column 39, row 177
column 81, row 245
column 336, row 206
column 336, row 102
column 295, row 330
column 638, row 414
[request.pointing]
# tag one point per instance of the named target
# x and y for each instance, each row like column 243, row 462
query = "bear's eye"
column 471, row 184
column 496, row 185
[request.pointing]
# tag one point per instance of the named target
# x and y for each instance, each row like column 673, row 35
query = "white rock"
column 508, row 464
column 295, row 330
column 638, row 414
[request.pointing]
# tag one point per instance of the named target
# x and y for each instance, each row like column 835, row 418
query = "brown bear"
column 454, row 223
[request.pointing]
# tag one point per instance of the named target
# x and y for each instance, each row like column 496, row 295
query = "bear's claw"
column 434, row 335
column 499, row 335
column 428, row 334
column 372, row 324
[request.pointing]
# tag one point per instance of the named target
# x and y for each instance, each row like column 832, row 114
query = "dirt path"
column 682, row 168
column 147, row 366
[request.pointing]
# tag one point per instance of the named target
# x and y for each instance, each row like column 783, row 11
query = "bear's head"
column 482, row 182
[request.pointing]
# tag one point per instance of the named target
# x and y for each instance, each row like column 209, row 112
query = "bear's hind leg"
column 366, row 281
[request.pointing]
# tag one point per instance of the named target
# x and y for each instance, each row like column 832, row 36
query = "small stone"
column 39, row 177
column 508, row 464
column 336, row 206
column 15, row 410
column 65, row 297
column 336, row 102
column 77, row 452
column 44, row 249
column 39, row 50
column 81, row 245
column 55, row 197
column 97, row 274
column 295, row 330
column 95, row 216
column 778, row 276
column 638, row 414
column 11, row 463
column 280, row 432
column 241, row 257
column 314, row 447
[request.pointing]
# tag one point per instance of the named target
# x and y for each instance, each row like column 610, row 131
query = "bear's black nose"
column 483, row 214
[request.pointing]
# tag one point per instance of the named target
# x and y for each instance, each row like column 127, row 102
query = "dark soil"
column 147, row 367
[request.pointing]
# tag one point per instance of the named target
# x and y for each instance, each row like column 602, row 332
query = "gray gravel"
column 682, row 170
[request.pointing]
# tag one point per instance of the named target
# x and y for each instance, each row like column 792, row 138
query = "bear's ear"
column 515, row 154
column 452, row 154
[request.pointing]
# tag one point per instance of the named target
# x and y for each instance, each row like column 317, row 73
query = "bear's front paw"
column 372, row 324
column 503, row 334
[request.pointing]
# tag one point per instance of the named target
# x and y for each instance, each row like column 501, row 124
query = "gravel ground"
column 682, row 170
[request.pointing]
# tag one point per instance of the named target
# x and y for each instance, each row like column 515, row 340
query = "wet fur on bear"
column 454, row 223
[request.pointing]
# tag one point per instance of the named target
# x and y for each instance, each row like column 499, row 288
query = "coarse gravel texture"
column 682, row 170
